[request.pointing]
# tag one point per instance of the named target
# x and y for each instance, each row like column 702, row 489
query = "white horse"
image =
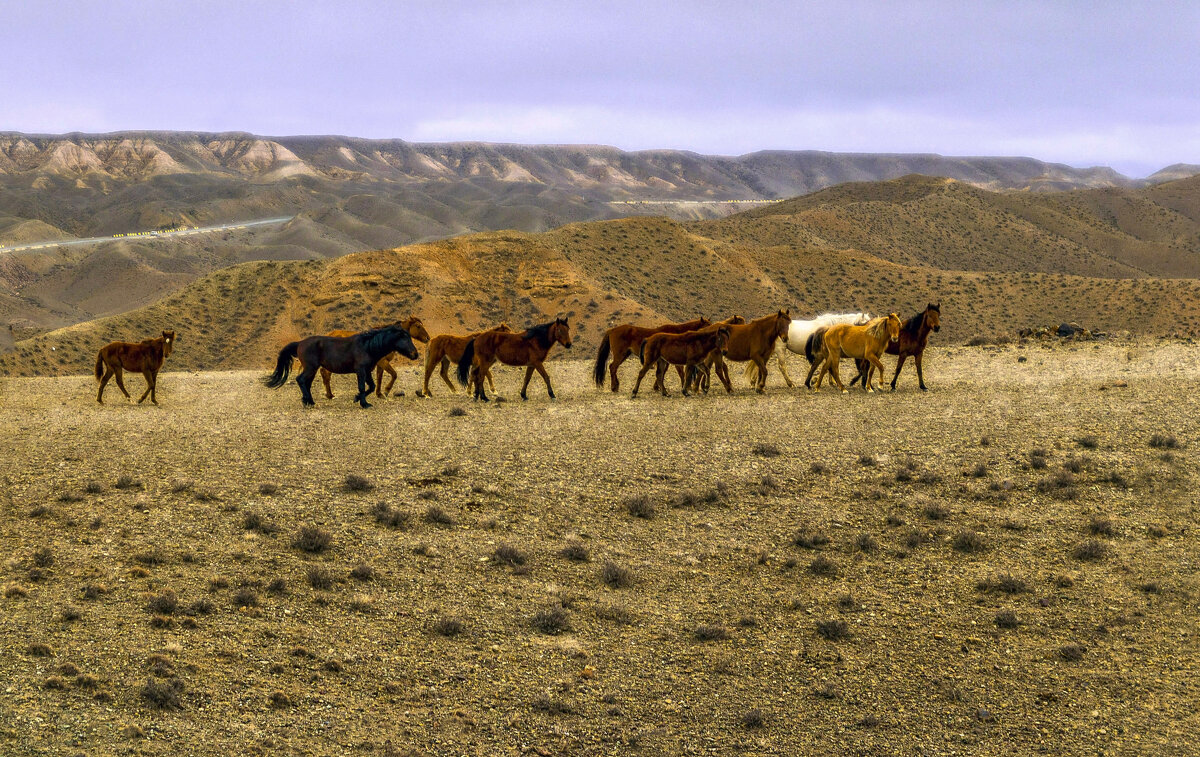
column 798, row 334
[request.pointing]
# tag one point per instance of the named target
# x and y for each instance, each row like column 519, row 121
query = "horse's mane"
column 540, row 333
column 913, row 325
column 376, row 339
column 877, row 327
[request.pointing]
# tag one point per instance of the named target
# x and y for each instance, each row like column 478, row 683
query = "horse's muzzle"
column 937, row 328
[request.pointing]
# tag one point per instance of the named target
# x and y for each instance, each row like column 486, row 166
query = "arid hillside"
column 656, row 269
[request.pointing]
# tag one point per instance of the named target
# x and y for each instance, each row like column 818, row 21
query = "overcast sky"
column 1083, row 83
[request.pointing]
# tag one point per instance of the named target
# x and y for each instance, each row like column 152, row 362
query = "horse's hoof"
column 399, row 393
column 844, row 391
column 552, row 396
column 924, row 389
column 523, row 397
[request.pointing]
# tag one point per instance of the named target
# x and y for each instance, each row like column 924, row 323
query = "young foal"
column 686, row 350
column 415, row 329
column 528, row 349
column 866, row 342
column 447, row 348
column 626, row 339
column 753, row 341
column 145, row 357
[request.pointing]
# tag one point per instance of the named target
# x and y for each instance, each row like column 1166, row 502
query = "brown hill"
column 638, row 269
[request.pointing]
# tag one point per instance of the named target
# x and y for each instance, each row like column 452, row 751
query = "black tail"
column 283, row 367
column 463, row 374
column 642, row 352
column 601, row 362
column 813, row 344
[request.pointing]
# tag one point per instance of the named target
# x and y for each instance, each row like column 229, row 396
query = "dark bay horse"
column 447, row 348
column 356, row 354
column 415, row 329
column 622, row 341
column 686, row 350
column 528, row 349
column 914, row 335
column 145, row 357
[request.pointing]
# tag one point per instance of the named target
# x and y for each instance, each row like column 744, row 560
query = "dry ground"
column 817, row 575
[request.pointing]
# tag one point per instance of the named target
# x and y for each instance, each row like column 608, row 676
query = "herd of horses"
column 697, row 349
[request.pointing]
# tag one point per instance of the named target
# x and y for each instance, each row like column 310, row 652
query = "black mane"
column 381, row 339
column 541, row 333
column 913, row 325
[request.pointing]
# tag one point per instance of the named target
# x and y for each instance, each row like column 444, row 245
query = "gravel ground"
column 1003, row 565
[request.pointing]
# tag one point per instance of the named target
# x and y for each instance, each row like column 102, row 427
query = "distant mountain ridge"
column 608, row 171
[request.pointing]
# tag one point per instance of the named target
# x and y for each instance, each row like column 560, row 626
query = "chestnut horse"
column 622, row 341
column 447, row 348
column 866, row 342
column 914, row 334
column 415, row 329
column 753, row 341
column 356, row 354
column 686, row 350
column 528, row 349
column 146, row 357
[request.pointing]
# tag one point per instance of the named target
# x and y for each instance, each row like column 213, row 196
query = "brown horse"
column 146, row 357
column 415, row 329
column 447, row 348
column 622, row 341
column 753, row 341
column 866, row 342
column 528, row 349
column 700, row 371
column 914, row 334
column 686, row 350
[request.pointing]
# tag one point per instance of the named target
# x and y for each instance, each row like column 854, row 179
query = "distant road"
column 180, row 232
column 692, row 202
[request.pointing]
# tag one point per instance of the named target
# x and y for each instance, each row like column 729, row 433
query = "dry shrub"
column 553, row 620
column 575, row 551
column 448, row 626
column 1090, row 550
column 313, row 539
column 615, row 576
column 710, row 632
column 164, row 695
column 833, row 629
column 507, row 554
column 640, row 506
column 356, row 483
column 1006, row 619
column 968, row 542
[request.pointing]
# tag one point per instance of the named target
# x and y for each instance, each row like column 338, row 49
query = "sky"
column 1084, row 83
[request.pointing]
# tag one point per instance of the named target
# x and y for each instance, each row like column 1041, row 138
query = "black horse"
column 341, row 354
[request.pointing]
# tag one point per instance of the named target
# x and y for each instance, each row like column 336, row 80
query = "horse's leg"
column 816, row 364
column 641, row 374
column 682, row 377
column 380, row 368
column 149, row 376
column 617, row 359
column 762, row 374
column 108, row 374
column 545, row 377
column 920, row 373
column 660, row 373
column 491, row 384
column 723, row 374
column 305, row 382
column 478, row 370
column 528, row 375
column 834, row 364
column 445, row 377
column 899, row 365
column 326, row 374
column 877, row 369
column 119, row 375
column 366, row 385
column 781, row 361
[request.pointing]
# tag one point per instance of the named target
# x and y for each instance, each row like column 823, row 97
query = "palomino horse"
column 528, row 349
column 845, row 340
column 914, row 334
column 356, row 354
column 415, row 329
column 686, row 350
column 447, row 348
column 145, row 357
column 797, row 336
column 622, row 341
column 753, row 341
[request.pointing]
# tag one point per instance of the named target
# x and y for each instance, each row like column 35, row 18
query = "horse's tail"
column 601, row 362
column 283, row 367
column 463, row 374
column 751, row 371
column 100, row 365
column 642, row 352
column 813, row 344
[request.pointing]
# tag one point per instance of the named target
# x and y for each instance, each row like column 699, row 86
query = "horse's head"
column 723, row 339
column 403, row 341
column 560, row 332
column 703, row 322
column 168, row 342
column 893, row 327
column 863, row 318
column 734, row 320
column 415, row 329
column 503, row 327
column 783, row 322
column 933, row 316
